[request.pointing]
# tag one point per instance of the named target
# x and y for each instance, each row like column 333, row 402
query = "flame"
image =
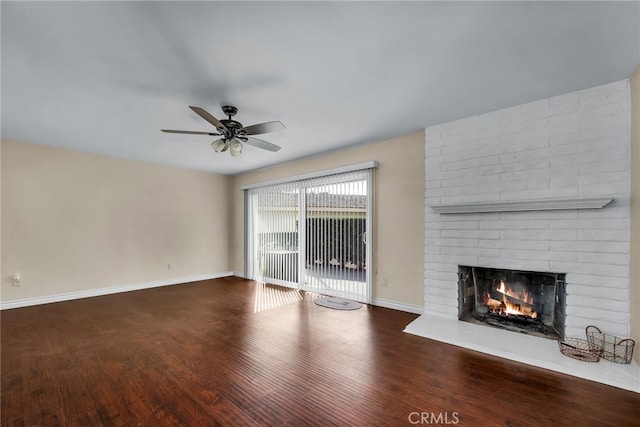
column 523, row 296
column 502, row 289
column 508, row 307
column 517, row 309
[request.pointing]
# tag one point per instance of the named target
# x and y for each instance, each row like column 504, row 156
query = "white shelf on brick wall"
column 524, row 205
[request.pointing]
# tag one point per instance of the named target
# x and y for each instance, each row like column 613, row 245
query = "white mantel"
column 550, row 204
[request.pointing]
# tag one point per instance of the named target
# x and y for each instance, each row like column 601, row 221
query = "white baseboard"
column 398, row 306
column 238, row 274
column 5, row 305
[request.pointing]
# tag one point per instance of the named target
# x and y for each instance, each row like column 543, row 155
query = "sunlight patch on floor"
column 270, row 296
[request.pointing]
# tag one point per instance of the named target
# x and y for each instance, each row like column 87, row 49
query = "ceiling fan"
column 232, row 132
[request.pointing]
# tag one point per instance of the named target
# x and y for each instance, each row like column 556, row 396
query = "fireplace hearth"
column 521, row 301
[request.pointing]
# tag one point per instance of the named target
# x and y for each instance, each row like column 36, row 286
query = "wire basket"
column 614, row 349
column 579, row 349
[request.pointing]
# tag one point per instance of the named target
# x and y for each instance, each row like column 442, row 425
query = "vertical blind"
column 274, row 222
column 311, row 233
column 336, row 225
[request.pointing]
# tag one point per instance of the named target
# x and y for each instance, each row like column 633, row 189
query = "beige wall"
column 635, row 211
column 1, row 271
column 74, row 221
column 398, row 211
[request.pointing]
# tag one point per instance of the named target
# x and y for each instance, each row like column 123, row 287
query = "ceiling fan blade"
column 263, row 128
column 208, row 117
column 261, row 144
column 189, row 132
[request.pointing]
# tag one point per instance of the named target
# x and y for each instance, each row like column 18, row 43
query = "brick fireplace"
column 514, row 189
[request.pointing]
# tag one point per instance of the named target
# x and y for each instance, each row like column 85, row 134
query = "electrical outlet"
column 168, row 266
column 17, row 280
column 385, row 282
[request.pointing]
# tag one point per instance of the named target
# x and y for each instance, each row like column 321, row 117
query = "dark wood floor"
column 198, row 355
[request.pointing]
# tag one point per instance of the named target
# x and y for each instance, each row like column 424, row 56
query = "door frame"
column 249, row 245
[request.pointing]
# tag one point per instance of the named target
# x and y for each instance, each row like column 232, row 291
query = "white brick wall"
column 566, row 146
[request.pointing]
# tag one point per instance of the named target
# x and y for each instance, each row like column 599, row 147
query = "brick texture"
column 567, row 146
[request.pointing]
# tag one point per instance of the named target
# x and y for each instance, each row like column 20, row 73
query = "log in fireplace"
column 522, row 301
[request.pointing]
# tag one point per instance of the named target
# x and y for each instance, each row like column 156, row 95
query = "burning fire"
column 523, row 308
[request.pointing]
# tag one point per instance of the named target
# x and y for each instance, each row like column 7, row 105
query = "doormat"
column 337, row 303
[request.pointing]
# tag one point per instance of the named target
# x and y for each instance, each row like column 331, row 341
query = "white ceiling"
column 106, row 77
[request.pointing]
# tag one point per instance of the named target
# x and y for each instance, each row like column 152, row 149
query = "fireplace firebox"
column 521, row 301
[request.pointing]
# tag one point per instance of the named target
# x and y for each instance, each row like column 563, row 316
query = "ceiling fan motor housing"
column 232, row 126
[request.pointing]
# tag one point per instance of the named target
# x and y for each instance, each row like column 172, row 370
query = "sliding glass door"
column 313, row 234
column 335, row 238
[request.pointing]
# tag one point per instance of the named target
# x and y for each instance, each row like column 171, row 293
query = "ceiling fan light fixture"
column 235, row 148
column 217, row 145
